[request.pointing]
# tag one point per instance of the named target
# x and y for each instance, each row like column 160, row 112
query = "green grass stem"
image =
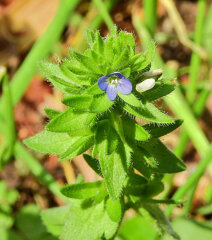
column 37, row 170
column 40, row 50
column 103, row 10
column 193, row 179
column 195, row 59
column 150, row 11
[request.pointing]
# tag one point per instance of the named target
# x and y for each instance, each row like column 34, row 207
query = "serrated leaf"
column 166, row 161
column 149, row 112
column 115, row 209
column 54, row 219
column 51, row 113
column 133, row 130
column 78, row 147
column 93, row 163
column 51, row 142
column 71, row 121
column 96, row 222
column 99, row 43
column 157, row 131
column 81, row 190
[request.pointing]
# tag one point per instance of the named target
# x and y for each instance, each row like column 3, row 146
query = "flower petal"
column 111, row 92
column 125, row 86
column 102, row 83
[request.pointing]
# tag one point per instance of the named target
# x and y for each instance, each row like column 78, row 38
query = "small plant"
column 108, row 92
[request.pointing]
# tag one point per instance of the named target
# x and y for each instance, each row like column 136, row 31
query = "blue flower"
column 113, row 83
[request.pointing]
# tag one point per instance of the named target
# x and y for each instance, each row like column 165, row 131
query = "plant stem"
column 150, row 10
column 37, row 169
column 40, row 50
column 195, row 59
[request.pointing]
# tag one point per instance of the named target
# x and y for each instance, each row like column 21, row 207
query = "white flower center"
column 114, row 82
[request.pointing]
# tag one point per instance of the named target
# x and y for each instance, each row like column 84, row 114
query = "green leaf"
column 81, row 190
column 93, row 163
column 141, row 161
column 166, row 161
column 149, row 112
column 162, row 221
column 54, row 219
column 192, row 229
column 84, row 60
column 51, row 142
column 115, row 209
column 94, row 90
column 28, row 222
column 100, row 104
column 160, row 89
column 78, row 147
column 137, row 228
column 54, row 74
column 78, row 102
column 71, row 121
column 51, row 113
column 133, row 130
column 157, row 131
column 130, row 99
column 88, row 222
column 111, row 141
column 121, row 61
column 114, row 168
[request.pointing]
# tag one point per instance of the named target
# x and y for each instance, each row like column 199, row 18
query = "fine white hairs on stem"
column 145, row 85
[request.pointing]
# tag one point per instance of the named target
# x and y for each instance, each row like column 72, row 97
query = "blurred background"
column 32, row 30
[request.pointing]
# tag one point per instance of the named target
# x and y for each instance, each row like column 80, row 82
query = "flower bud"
column 145, row 85
column 153, row 73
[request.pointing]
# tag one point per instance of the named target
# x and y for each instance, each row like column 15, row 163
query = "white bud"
column 153, row 73
column 145, row 85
